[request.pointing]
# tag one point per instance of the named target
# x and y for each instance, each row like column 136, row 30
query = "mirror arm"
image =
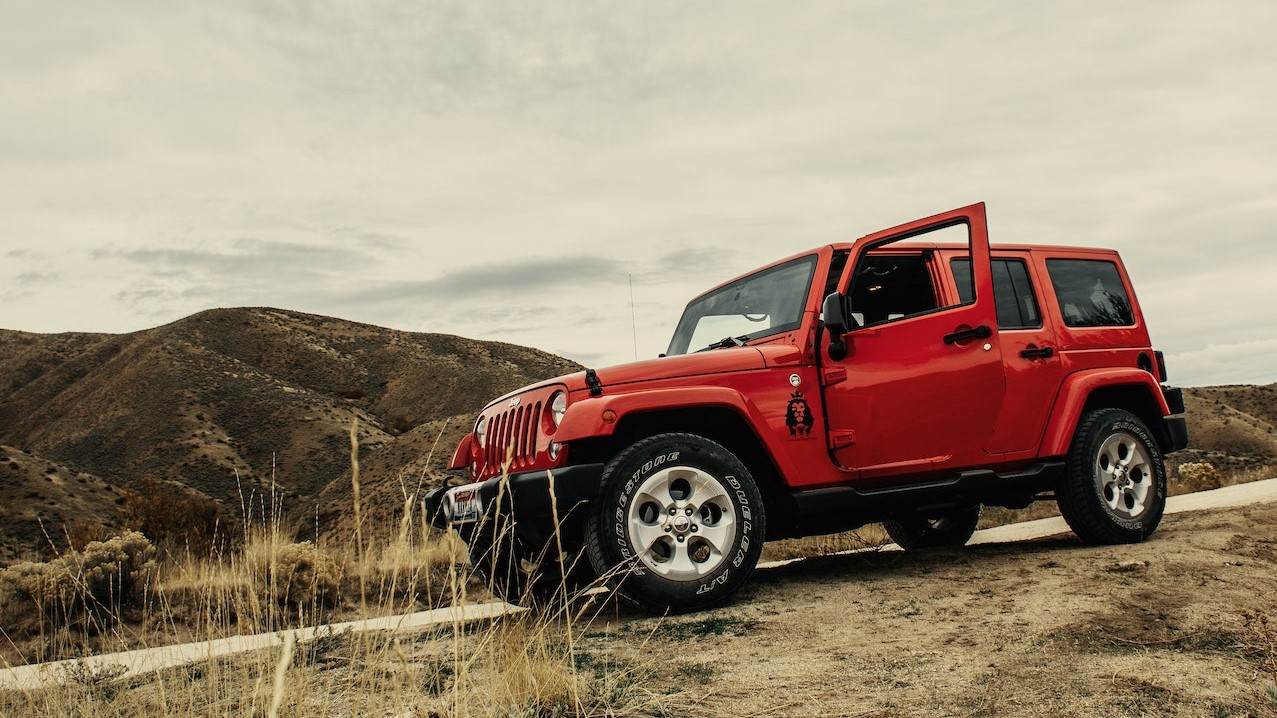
column 837, row 349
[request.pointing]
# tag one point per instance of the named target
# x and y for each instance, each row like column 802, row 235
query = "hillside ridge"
column 252, row 400
column 240, row 404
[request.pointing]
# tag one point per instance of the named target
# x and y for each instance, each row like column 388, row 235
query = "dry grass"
column 1261, row 644
column 122, row 594
column 520, row 666
column 528, row 665
column 524, row 665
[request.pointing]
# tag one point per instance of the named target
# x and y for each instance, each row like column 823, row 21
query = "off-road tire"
column 950, row 529
column 678, row 525
column 1114, row 488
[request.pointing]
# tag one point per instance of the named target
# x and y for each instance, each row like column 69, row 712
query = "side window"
column 1012, row 292
column 892, row 286
column 1090, row 292
column 896, row 280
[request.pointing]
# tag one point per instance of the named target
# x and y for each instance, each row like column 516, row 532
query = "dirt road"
column 1047, row 626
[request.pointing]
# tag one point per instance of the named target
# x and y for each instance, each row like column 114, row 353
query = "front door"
column 922, row 383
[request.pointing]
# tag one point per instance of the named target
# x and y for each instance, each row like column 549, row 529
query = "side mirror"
column 838, row 321
column 837, row 314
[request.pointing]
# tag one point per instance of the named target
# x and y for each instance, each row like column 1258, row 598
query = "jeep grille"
column 513, row 432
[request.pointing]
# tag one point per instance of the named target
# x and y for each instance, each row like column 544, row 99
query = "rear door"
column 922, row 383
column 1026, row 339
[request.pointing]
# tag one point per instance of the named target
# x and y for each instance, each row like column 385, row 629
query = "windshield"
column 769, row 302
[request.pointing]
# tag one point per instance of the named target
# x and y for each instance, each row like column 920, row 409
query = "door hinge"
column 838, row 438
column 831, row 375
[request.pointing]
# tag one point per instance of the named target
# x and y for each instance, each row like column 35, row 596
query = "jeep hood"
column 718, row 361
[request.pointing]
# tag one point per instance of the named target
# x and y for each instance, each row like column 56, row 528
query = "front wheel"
column 1114, row 488
column 678, row 525
column 952, row 528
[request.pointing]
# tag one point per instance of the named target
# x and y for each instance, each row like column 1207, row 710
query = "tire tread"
column 1076, row 493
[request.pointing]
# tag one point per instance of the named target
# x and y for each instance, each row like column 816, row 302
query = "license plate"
column 463, row 505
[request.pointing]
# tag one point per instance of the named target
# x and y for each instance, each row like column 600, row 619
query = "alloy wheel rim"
column 1124, row 475
column 682, row 523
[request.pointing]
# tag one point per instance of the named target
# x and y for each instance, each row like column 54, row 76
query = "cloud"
column 245, row 257
column 372, row 240
column 1245, row 362
column 494, row 166
column 516, row 281
column 456, row 55
column 589, row 359
column 691, row 261
column 13, row 296
column 35, row 277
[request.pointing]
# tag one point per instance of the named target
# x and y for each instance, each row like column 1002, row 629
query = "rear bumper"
column 526, row 498
column 1177, row 431
column 1176, row 435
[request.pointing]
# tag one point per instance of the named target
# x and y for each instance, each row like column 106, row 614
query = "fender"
column 584, row 419
column 461, row 457
column 1074, row 391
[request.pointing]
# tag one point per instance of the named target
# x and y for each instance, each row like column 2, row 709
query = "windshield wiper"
column 726, row 342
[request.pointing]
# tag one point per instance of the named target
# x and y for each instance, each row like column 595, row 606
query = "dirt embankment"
column 1046, row 627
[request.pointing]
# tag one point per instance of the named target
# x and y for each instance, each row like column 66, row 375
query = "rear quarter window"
column 1090, row 293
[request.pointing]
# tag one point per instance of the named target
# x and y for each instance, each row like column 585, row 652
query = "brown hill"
column 237, row 402
column 45, row 505
column 1232, row 427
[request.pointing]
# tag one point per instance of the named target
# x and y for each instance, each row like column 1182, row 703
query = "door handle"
column 980, row 332
column 1043, row 353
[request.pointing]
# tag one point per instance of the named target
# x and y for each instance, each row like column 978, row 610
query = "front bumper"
column 525, row 498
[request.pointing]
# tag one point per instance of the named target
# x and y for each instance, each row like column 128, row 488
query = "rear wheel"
column 1114, row 490
column 951, row 528
column 678, row 525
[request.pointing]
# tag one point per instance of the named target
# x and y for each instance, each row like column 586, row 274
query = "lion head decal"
column 798, row 415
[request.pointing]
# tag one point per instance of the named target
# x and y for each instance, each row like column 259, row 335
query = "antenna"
column 633, row 319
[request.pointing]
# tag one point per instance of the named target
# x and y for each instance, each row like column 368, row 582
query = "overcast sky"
column 501, row 170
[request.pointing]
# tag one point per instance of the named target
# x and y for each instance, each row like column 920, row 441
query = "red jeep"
column 909, row 377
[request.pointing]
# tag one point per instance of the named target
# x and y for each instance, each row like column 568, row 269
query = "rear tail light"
column 1161, row 366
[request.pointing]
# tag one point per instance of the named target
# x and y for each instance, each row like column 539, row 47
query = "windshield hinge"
column 592, row 381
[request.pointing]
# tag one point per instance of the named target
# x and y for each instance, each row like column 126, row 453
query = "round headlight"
column 481, row 432
column 558, row 406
